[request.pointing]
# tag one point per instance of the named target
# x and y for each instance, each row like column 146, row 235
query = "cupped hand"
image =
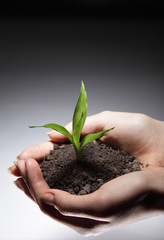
column 137, row 134
column 127, row 197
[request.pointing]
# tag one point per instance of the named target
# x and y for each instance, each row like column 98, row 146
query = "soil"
column 100, row 163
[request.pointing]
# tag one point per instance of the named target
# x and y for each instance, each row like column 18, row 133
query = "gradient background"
column 116, row 49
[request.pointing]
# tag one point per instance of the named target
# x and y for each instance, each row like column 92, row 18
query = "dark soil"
column 100, row 163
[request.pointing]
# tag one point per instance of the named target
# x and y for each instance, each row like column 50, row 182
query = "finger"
column 37, row 151
column 14, row 171
column 39, row 187
column 105, row 202
column 72, row 205
column 58, row 137
column 93, row 124
column 35, row 179
column 20, row 167
column 123, row 192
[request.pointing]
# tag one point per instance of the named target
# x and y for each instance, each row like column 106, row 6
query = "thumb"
column 107, row 201
column 72, row 205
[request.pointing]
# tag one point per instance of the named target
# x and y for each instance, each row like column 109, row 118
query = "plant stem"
column 78, row 154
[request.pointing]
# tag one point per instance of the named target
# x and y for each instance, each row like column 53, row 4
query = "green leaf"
column 79, row 116
column 93, row 136
column 58, row 128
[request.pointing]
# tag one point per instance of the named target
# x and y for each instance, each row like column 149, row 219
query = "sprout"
column 79, row 117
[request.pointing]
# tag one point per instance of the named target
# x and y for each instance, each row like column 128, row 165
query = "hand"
column 116, row 201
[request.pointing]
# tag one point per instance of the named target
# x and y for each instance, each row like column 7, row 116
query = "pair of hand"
column 126, row 198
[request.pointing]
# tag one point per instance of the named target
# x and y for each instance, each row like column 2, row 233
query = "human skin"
column 122, row 200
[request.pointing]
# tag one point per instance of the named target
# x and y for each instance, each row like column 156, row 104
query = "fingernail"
column 49, row 198
column 21, row 171
column 17, row 158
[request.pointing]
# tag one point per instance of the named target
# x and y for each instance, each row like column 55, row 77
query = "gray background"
column 42, row 62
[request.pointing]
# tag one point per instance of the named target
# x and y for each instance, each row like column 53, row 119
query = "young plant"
column 79, row 117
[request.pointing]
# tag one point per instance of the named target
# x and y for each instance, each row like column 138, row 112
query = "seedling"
column 79, row 117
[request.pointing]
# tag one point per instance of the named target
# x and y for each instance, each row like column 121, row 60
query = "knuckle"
column 140, row 121
column 142, row 118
